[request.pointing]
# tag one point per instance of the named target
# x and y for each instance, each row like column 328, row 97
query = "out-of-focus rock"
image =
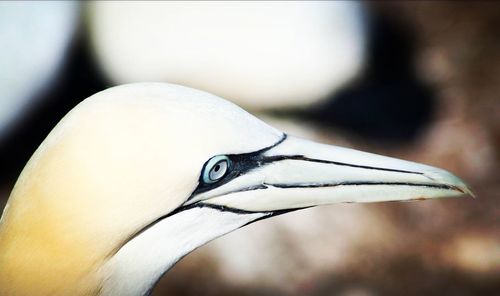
column 474, row 253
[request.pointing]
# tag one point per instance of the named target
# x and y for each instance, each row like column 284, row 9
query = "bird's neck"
column 139, row 264
column 43, row 254
column 33, row 262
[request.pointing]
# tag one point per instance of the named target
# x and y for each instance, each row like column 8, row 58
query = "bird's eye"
column 216, row 168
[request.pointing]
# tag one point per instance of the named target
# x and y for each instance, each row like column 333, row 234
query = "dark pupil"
column 217, row 168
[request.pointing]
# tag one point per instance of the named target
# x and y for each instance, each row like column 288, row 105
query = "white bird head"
column 137, row 176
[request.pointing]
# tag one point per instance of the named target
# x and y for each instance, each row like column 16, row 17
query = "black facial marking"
column 240, row 164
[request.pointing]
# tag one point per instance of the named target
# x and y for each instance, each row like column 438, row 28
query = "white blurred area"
column 35, row 37
column 259, row 54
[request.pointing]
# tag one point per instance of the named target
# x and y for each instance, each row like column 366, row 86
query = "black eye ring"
column 216, row 168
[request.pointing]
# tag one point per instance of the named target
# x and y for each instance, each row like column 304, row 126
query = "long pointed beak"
column 298, row 173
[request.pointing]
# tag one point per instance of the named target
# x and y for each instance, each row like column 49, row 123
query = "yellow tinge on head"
column 116, row 162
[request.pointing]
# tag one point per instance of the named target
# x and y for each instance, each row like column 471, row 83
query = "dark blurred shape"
column 388, row 103
column 79, row 79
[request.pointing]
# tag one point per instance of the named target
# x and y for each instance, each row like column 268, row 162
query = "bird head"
column 137, row 176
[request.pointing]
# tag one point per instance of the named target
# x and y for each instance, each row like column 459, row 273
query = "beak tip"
column 446, row 178
column 463, row 189
column 468, row 191
column 459, row 185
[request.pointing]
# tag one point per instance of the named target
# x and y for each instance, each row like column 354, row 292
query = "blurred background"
column 413, row 80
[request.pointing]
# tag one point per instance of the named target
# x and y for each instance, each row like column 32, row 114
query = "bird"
column 260, row 55
column 137, row 176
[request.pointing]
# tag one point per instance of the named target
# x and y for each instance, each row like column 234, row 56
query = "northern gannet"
column 258, row 54
column 137, row 176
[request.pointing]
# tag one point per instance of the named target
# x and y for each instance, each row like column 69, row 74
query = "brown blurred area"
column 442, row 247
column 445, row 247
